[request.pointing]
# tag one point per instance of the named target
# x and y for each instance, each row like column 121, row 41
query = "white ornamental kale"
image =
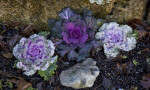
column 116, row 37
column 100, row 2
column 34, row 53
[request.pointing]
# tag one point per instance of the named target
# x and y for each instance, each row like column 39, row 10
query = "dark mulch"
column 117, row 73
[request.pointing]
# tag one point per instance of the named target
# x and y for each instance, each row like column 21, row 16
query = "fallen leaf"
column 14, row 24
column 135, row 62
column 119, row 57
column 6, row 52
column 98, row 86
column 141, row 27
column 39, row 86
column 106, row 82
column 146, row 81
column 145, row 50
column 121, row 68
column 3, row 45
column 148, row 27
column 28, row 31
column 57, row 88
column 133, row 88
column 141, row 33
column 12, row 42
column 133, row 23
column 6, row 74
column 52, row 80
column 21, row 83
column 7, row 55
column 1, row 37
column 3, row 28
column 1, row 84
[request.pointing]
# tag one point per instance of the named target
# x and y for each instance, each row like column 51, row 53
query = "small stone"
column 81, row 75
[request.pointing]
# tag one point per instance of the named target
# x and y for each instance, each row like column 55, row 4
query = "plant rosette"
column 116, row 37
column 34, row 53
column 75, row 32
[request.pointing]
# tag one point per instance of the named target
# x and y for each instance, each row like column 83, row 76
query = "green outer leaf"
column 45, row 33
column 10, row 84
column 148, row 61
column 1, row 84
column 2, row 31
column 135, row 62
column 31, row 88
column 15, row 65
column 100, row 22
column 135, row 34
column 49, row 72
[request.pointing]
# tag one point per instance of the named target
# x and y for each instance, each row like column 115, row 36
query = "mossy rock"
column 37, row 12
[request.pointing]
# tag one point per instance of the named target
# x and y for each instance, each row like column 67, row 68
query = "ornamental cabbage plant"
column 100, row 2
column 34, row 53
column 116, row 37
column 74, row 33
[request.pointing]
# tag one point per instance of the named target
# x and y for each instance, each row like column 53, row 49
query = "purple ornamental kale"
column 75, row 31
column 34, row 53
column 115, row 37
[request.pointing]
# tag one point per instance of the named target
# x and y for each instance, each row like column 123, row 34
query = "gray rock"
column 81, row 75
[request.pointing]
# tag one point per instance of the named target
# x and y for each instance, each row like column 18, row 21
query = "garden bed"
column 125, row 72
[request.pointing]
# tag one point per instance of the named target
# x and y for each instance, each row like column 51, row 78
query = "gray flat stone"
column 81, row 75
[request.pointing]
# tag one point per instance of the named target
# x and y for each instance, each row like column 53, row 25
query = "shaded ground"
column 122, row 72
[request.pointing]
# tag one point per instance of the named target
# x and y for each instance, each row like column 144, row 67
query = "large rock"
column 127, row 10
column 39, row 11
column 81, row 75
